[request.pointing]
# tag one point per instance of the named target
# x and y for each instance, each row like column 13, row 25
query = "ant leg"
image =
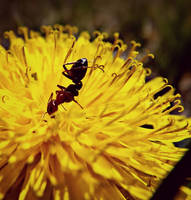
column 67, row 76
column 77, row 103
column 64, row 66
column 61, row 87
column 64, row 107
column 67, row 71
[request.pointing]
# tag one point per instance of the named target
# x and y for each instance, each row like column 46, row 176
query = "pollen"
column 112, row 140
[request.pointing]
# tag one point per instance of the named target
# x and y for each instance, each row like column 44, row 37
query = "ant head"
column 52, row 105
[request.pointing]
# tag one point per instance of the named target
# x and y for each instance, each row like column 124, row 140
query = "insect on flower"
column 76, row 74
column 63, row 95
column 120, row 146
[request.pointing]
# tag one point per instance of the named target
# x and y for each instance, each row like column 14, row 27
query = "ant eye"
column 83, row 61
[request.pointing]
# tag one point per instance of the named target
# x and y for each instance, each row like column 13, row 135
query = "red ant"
column 63, row 95
column 76, row 74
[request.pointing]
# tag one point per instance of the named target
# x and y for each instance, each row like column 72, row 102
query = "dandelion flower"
column 119, row 146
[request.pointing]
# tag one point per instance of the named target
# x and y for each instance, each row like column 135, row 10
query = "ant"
column 63, row 95
column 76, row 74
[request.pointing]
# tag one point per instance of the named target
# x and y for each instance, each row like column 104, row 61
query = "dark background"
column 161, row 26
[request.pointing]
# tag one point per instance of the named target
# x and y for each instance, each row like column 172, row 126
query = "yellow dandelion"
column 119, row 146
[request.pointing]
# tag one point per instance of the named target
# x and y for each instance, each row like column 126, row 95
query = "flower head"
column 119, row 146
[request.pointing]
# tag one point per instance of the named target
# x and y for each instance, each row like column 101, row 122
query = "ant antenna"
column 70, row 63
column 101, row 67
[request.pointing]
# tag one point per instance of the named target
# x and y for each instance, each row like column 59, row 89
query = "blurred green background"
column 162, row 26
